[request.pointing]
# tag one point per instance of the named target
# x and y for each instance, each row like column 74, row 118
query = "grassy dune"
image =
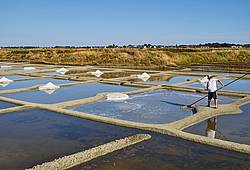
column 127, row 57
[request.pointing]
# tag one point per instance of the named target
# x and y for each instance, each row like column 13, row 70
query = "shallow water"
column 12, row 77
column 118, row 74
column 159, row 106
column 240, row 85
column 13, row 67
column 217, row 73
column 5, row 105
column 173, row 80
column 109, row 75
column 32, row 137
column 68, row 93
column 229, row 127
column 21, row 69
column 53, row 73
column 30, row 83
column 165, row 152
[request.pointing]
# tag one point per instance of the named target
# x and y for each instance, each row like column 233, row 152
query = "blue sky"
column 103, row 22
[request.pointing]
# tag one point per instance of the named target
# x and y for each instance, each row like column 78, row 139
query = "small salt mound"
column 49, row 86
column 29, row 68
column 144, row 76
column 4, row 80
column 203, row 81
column 117, row 96
column 62, row 70
column 97, row 73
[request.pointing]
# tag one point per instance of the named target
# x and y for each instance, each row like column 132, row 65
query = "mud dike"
column 173, row 128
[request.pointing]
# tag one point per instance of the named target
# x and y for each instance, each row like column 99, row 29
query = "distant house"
column 236, row 46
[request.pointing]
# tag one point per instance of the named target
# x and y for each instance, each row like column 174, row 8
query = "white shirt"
column 212, row 85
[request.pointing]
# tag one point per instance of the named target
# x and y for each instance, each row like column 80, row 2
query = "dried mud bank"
column 14, row 109
column 87, row 155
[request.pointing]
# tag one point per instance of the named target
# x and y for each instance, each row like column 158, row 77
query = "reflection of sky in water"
column 239, row 85
column 12, row 77
column 229, row 127
column 152, row 107
column 4, row 105
column 68, row 93
column 29, row 83
column 32, row 137
column 174, row 80
column 53, row 73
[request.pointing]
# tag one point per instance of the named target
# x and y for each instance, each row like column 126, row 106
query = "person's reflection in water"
column 211, row 127
column 194, row 110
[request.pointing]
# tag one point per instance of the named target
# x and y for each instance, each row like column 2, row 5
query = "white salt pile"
column 5, row 81
column 49, row 88
column 97, row 73
column 117, row 96
column 62, row 70
column 144, row 76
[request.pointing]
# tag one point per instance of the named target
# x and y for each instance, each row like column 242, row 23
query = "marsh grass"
column 132, row 57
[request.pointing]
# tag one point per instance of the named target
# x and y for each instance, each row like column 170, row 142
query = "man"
column 212, row 89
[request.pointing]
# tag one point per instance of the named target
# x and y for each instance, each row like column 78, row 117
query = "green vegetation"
column 131, row 57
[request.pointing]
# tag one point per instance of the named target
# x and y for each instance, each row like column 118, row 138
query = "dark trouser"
column 212, row 95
